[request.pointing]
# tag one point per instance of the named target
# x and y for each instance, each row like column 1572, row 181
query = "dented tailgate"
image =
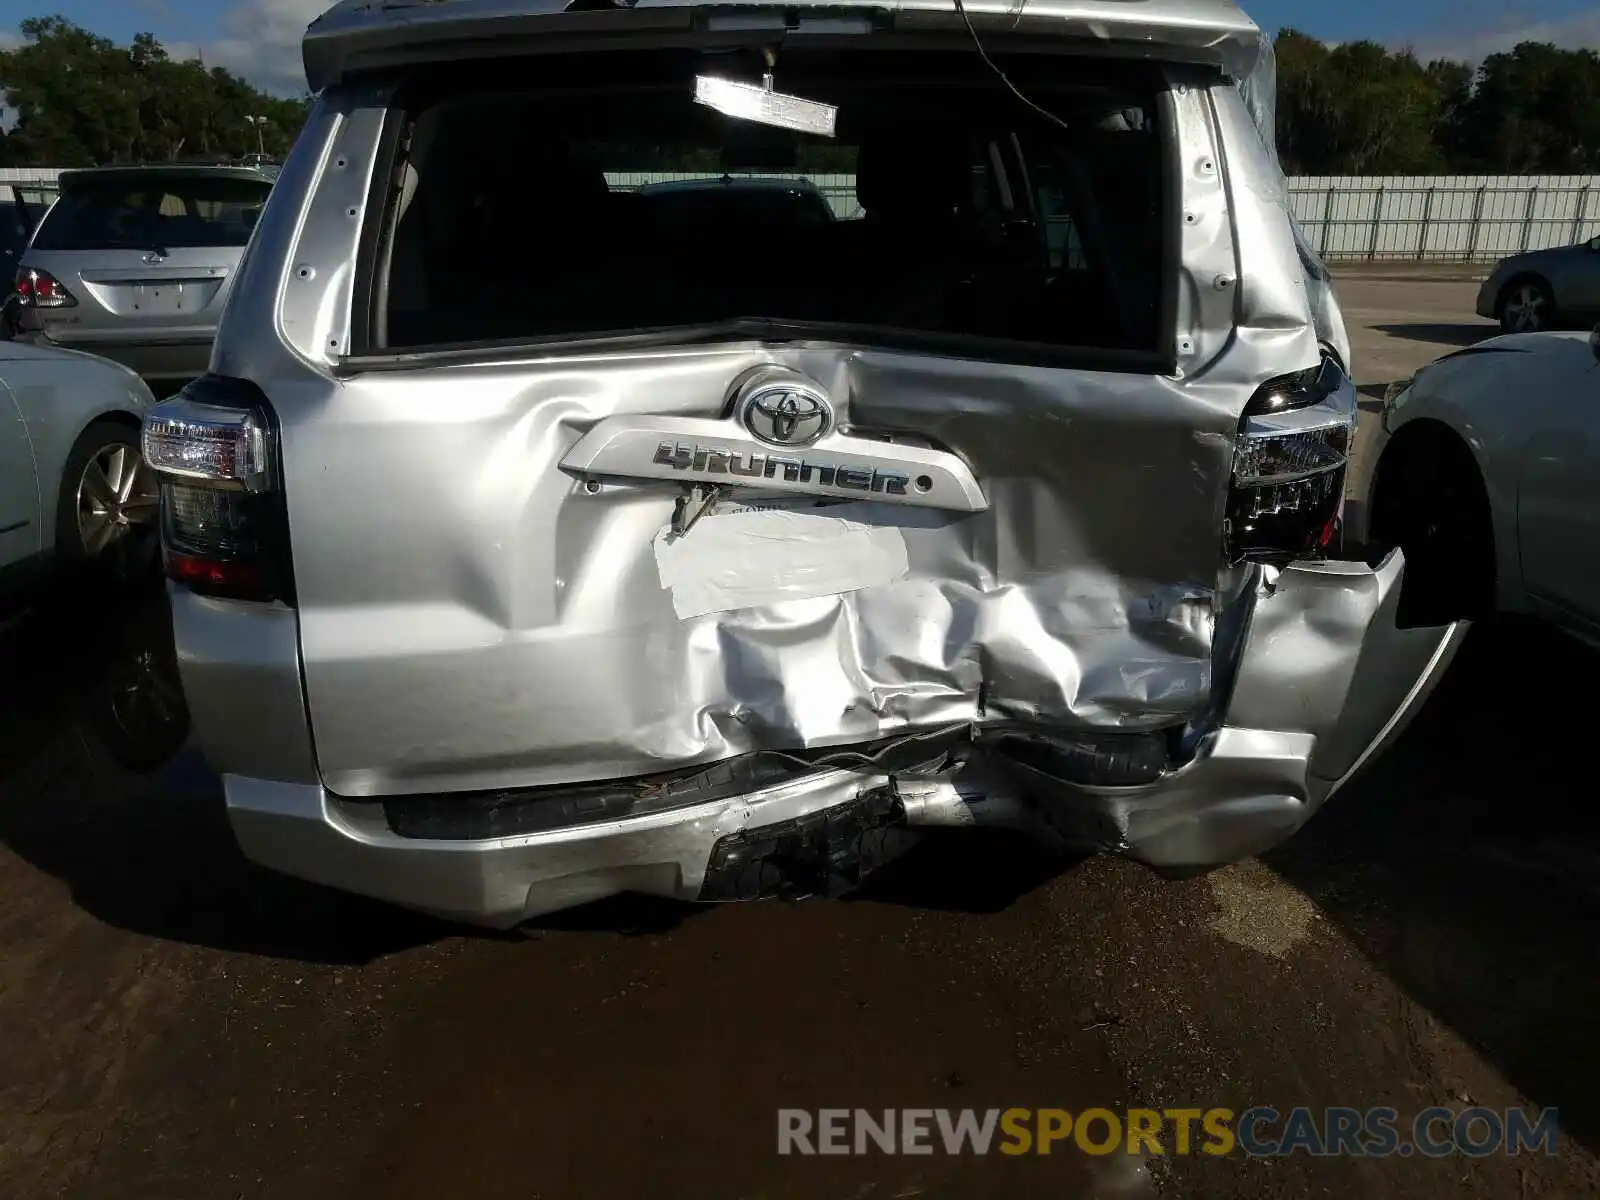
column 536, row 575
column 513, row 627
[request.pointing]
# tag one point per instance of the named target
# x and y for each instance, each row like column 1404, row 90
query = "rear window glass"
column 728, row 198
column 153, row 214
column 945, row 205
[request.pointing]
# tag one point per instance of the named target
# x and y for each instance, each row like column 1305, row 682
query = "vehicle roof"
column 77, row 176
column 357, row 36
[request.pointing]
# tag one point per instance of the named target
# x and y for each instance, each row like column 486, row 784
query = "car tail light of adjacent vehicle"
column 1289, row 466
column 224, row 528
column 40, row 289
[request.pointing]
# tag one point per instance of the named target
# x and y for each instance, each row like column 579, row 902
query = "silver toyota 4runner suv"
column 532, row 539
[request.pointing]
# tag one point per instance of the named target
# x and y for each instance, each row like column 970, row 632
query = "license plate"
column 167, row 298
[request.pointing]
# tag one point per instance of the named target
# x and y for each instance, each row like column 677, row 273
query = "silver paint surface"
column 1322, row 661
column 473, row 614
column 471, row 570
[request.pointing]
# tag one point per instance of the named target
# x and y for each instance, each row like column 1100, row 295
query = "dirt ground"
column 179, row 1024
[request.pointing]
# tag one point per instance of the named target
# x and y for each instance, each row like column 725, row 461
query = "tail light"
column 1289, row 465
column 224, row 528
column 40, row 289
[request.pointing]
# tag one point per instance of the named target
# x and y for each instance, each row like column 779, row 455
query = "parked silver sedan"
column 1544, row 289
column 74, row 489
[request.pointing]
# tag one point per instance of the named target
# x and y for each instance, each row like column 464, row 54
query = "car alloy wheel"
column 117, row 504
column 1527, row 309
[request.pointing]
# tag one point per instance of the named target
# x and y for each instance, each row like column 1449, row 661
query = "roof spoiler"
column 358, row 37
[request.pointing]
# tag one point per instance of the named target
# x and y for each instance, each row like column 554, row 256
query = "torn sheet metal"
column 1258, row 88
column 1326, row 679
column 755, row 558
column 1326, row 635
column 526, row 615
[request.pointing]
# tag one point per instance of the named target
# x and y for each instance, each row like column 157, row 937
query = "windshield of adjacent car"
column 944, row 205
column 143, row 214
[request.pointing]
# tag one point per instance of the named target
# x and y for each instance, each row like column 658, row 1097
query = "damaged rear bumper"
column 1324, row 680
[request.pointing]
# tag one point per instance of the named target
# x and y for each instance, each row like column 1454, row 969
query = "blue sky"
column 258, row 37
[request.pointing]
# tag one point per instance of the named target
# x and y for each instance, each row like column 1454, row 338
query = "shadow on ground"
column 100, row 790
column 1443, row 335
column 97, row 790
column 1372, row 397
column 1466, row 863
column 976, row 871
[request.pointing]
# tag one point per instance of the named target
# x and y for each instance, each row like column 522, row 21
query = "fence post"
column 1427, row 216
column 1377, row 225
column 1578, row 215
column 1527, row 216
column 1477, row 223
column 1327, row 220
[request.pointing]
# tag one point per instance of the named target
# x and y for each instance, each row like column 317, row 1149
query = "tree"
column 1360, row 109
column 82, row 100
column 1355, row 109
column 1535, row 110
column 1454, row 82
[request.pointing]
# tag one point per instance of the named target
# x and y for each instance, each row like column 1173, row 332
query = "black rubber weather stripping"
column 1093, row 760
column 822, row 853
column 473, row 816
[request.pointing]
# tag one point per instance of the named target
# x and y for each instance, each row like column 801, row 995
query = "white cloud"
column 260, row 41
column 1574, row 32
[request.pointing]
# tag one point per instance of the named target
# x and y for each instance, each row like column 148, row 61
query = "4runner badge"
column 706, row 460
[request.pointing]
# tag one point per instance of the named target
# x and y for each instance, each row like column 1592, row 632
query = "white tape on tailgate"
column 757, row 557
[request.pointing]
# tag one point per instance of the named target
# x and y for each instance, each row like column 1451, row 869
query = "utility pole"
column 261, row 143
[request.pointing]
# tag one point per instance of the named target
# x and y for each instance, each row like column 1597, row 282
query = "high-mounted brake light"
column 40, row 289
column 224, row 529
column 1289, row 465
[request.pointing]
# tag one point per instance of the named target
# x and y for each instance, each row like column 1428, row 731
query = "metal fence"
column 1450, row 218
column 35, row 185
column 1418, row 218
column 839, row 190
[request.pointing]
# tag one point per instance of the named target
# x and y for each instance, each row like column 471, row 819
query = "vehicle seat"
column 914, row 242
column 1118, row 215
column 540, row 245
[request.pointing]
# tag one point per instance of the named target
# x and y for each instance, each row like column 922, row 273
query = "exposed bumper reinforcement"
column 1326, row 679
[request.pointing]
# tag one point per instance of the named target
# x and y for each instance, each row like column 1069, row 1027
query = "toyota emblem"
column 787, row 413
